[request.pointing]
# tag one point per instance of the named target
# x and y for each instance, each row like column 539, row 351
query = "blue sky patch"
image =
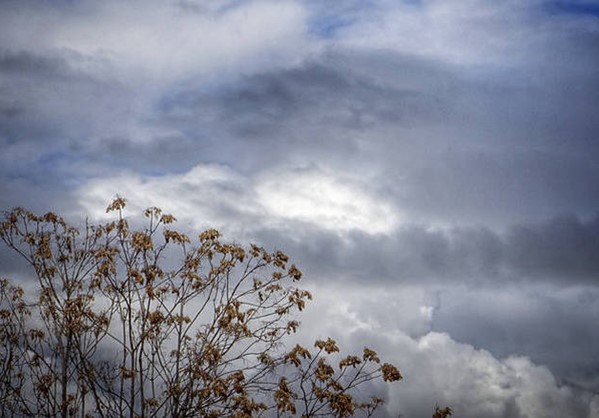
column 573, row 7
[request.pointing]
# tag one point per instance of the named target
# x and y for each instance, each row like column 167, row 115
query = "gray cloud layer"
column 562, row 250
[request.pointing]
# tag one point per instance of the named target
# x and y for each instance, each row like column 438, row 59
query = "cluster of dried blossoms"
column 119, row 330
column 442, row 412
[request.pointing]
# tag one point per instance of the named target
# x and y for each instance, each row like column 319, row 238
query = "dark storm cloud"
column 448, row 143
column 465, row 143
column 267, row 104
column 562, row 250
column 563, row 247
column 317, row 112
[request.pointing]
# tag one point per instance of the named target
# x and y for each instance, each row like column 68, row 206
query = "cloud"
column 207, row 196
column 560, row 250
column 216, row 195
column 140, row 41
column 565, row 246
column 394, row 310
column 437, row 369
column 99, row 71
column 372, row 241
column 466, row 33
column 476, row 384
column 495, row 290
column 329, row 202
column 552, row 325
column 451, row 145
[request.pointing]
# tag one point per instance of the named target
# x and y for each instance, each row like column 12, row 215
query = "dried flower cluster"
column 113, row 332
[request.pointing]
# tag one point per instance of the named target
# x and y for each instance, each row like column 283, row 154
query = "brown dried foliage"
column 114, row 332
column 442, row 412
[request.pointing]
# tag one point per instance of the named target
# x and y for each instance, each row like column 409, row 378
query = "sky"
column 431, row 165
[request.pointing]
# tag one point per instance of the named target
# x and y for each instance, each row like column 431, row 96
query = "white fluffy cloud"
column 215, row 195
column 438, row 369
column 332, row 203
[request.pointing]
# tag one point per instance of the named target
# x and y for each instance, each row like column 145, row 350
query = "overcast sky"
column 431, row 165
